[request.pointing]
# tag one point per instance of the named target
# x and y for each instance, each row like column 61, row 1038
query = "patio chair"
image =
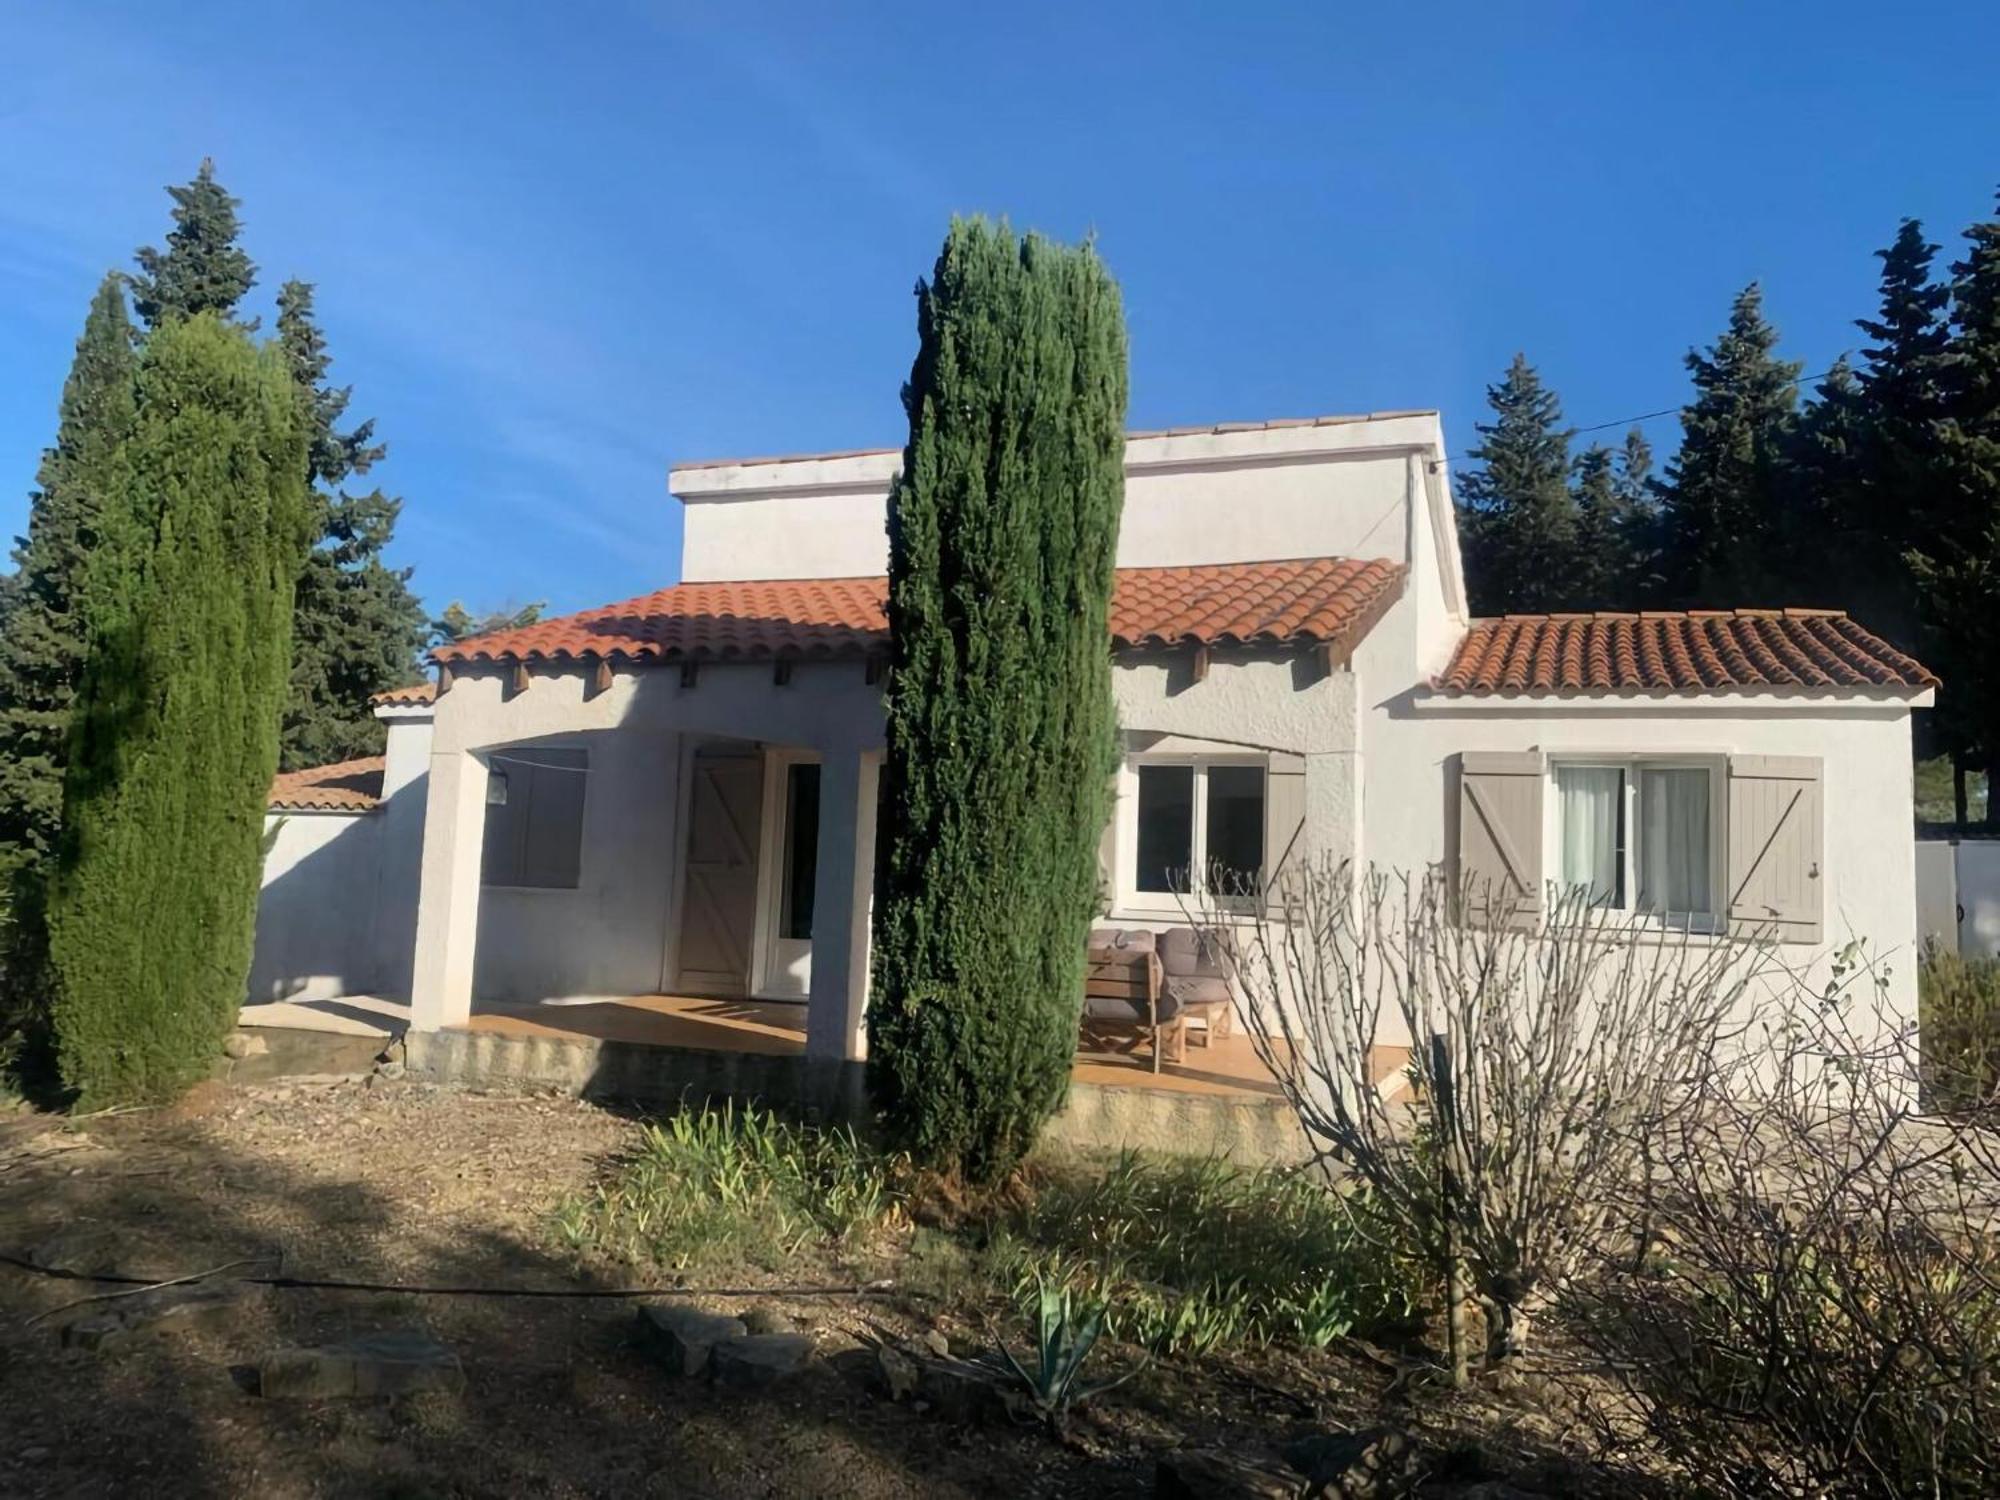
column 1124, row 1000
column 1195, row 975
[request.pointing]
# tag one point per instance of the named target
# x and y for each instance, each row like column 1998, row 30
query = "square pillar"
column 448, row 895
column 843, row 887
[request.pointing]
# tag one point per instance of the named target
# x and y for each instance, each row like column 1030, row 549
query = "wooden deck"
column 1228, row 1067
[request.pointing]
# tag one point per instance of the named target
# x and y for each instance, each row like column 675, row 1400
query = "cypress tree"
column 1003, row 531
column 42, row 636
column 202, row 269
column 1725, row 490
column 174, row 739
column 357, row 628
column 1517, row 513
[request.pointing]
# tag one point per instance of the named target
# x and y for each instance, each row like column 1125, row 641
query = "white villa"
column 673, row 798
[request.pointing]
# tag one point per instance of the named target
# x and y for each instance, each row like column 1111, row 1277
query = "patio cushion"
column 1195, row 990
column 1121, row 940
column 1187, row 951
column 1130, row 1012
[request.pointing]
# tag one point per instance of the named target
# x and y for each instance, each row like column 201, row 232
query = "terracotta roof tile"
column 1681, row 651
column 1307, row 601
column 347, row 786
column 413, row 696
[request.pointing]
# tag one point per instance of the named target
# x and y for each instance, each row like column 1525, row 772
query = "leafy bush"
column 711, row 1187
column 1188, row 1255
column 1959, row 1007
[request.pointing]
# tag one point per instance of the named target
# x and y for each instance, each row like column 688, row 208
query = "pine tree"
column 1956, row 554
column 42, row 635
column 175, row 734
column 1001, row 733
column 357, row 627
column 1518, row 516
column 1603, row 562
column 202, row 269
column 1725, row 490
column 458, row 623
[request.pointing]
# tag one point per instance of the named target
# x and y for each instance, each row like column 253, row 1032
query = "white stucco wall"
column 1869, row 855
column 1247, row 495
column 316, row 915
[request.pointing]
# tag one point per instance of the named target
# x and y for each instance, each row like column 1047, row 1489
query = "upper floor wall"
column 1360, row 487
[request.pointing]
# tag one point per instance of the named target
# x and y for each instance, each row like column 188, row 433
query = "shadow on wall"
column 337, row 912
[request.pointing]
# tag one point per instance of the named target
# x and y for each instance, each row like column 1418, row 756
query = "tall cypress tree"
column 1517, row 513
column 1725, row 490
column 357, row 627
column 42, row 635
column 202, row 269
column 175, row 735
column 1003, row 531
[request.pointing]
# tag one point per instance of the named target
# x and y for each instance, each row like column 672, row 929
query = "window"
column 534, row 818
column 1192, row 821
column 1640, row 836
column 795, row 916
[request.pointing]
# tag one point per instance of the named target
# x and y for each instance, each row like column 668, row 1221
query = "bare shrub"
column 1814, row 1304
column 1540, row 1061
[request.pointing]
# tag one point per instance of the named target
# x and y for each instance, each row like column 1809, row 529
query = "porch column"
column 448, row 899
column 842, row 886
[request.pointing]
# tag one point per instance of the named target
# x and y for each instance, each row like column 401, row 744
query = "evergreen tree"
column 1603, row 563
column 42, row 634
column 1518, row 517
column 1956, row 554
column 1639, row 507
column 1725, row 491
column 1002, row 741
column 357, row 628
column 202, row 269
column 458, row 623
column 174, row 739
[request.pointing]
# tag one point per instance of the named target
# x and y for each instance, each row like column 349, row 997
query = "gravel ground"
column 396, row 1181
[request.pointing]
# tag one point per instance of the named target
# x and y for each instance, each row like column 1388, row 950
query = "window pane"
column 1590, row 803
column 801, row 851
column 1674, row 868
column 1166, row 827
column 1235, row 828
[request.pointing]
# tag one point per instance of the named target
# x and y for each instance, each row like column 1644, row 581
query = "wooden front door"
column 719, row 888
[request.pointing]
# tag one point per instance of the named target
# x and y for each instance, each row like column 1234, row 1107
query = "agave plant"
column 1066, row 1329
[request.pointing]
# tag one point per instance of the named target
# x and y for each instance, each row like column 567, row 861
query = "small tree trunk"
column 1958, row 802
column 1458, row 1293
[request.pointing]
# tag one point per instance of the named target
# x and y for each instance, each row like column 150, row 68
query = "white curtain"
column 1673, row 842
column 1589, row 815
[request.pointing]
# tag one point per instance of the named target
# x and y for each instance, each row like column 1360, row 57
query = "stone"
column 1215, row 1474
column 957, row 1390
column 1376, row 1463
column 939, row 1343
column 759, row 1359
column 401, row 1362
column 166, row 1309
column 242, row 1044
column 681, row 1337
column 766, row 1319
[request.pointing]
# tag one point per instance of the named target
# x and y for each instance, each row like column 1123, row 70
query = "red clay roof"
column 346, row 786
column 414, row 696
column 1692, row 651
column 1307, row 601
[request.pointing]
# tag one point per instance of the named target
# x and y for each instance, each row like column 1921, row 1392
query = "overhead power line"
column 1645, row 416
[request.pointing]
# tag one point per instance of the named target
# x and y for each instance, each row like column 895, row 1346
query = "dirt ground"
column 406, row 1183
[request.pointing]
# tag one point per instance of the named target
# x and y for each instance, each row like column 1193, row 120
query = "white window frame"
column 1717, row 768
column 1132, row 900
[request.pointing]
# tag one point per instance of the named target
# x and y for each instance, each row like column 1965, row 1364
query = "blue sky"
column 559, row 247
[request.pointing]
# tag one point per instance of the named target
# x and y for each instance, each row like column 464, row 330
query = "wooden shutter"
column 1775, row 883
column 1284, row 824
column 1500, row 834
